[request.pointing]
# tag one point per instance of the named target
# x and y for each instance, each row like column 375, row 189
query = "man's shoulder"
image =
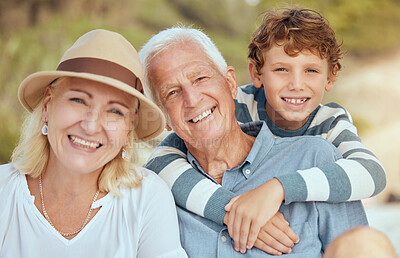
column 308, row 143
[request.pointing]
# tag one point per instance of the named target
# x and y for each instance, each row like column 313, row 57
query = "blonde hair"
column 32, row 154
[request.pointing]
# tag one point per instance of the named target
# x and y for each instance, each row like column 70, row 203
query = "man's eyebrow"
column 167, row 87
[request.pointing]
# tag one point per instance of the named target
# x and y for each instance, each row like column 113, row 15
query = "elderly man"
column 187, row 79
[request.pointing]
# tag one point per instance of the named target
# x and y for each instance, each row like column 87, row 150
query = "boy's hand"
column 276, row 237
column 248, row 212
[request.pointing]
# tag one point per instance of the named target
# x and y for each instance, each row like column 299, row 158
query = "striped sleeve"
column 191, row 189
column 246, row 104
column 358, row 175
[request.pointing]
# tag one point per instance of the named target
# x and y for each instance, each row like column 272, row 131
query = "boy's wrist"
column 274, row 189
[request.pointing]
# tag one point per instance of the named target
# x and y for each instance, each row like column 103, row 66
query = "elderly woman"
column 72, row 189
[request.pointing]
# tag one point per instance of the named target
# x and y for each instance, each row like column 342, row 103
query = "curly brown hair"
column 296, row 30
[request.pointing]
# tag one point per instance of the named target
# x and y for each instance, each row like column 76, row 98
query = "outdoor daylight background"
column 34, row 34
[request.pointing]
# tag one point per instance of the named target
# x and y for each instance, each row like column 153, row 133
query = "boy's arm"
column 192, row 190
column 358, row 175
column 195, row 192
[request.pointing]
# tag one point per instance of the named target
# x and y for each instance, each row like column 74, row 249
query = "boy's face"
column 294, row 86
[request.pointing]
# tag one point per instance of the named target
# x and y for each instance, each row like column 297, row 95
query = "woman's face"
column 88, row 123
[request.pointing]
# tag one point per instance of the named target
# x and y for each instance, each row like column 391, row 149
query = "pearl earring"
column 124, row 154
column 44, row 130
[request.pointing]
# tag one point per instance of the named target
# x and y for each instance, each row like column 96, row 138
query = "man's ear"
column 46, row 100
column 230, row 76
column 255, row 75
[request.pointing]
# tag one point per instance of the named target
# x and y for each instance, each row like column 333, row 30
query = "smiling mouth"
column 295, row 101
column 202, row 115
column 84, row 143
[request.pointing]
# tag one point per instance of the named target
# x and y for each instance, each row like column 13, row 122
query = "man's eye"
column 116, row 111
column 172, row 92
column 78, row 100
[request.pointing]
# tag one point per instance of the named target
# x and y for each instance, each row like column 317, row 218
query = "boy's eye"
column 116, row 111
column 281, row 69
column 78, row 100
column 311, row 71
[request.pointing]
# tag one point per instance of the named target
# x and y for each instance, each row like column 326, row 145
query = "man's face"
column 196, row 98
column 294, row 85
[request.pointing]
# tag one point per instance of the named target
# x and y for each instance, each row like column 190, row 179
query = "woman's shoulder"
column 8, row 175
column 151, row 184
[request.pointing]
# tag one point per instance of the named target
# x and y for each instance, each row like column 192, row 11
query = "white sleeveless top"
column 142, row 223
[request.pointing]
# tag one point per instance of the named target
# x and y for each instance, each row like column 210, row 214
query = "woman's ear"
column 255, row 75
column 46, row 100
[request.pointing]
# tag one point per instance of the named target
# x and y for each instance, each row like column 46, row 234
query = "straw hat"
column 105, row 57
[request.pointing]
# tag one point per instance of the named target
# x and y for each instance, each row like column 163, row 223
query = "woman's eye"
column 280, row 69
column 172, row 92
column 311, row 71
column 78, row 100
column 117, row 112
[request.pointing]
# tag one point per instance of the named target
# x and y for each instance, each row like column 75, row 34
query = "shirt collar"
column 262, row 114
column 261, row 147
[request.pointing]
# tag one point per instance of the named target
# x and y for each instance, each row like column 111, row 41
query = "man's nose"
column 191, row 96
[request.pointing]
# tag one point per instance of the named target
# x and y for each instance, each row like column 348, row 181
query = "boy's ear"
column 255, row 76
column 230, row 76
column 331, row 80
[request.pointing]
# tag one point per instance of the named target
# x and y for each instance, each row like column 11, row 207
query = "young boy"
column 294, row 57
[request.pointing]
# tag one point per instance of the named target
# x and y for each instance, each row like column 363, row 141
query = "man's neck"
column 219, row 155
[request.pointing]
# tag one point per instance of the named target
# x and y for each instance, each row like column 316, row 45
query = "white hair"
column 169, row 38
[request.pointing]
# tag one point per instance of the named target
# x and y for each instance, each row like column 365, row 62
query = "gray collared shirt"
column 316, row 223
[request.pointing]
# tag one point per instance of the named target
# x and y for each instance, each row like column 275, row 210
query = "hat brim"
column 149, row 124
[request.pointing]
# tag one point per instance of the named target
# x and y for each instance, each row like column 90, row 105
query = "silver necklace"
column 48, row 218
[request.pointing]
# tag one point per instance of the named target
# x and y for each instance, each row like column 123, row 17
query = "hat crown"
column 106, row 45
column 106, row 57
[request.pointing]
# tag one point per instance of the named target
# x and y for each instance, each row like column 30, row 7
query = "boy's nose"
column 296, row 82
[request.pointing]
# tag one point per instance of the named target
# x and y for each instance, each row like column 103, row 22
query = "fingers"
column 254, row 231
column 228, row 207
column 266, row 248
column 276, row 236
column 269, row 244
column 241, row 232
column 285, row 234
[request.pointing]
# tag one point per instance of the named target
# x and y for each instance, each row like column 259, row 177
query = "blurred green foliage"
column 35, row 34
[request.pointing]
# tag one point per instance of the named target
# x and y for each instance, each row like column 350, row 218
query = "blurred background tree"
column 35, row 34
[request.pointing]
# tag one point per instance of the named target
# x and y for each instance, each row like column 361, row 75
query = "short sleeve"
column 159, row 230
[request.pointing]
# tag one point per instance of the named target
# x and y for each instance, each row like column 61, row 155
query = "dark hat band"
column 101, row 67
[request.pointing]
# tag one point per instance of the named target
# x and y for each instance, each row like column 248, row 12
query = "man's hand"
column 276, row 236
column 248, row 212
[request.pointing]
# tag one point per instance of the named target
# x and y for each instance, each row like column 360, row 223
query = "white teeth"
column 295, row 101
column 82, row 142
column 202, row 115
